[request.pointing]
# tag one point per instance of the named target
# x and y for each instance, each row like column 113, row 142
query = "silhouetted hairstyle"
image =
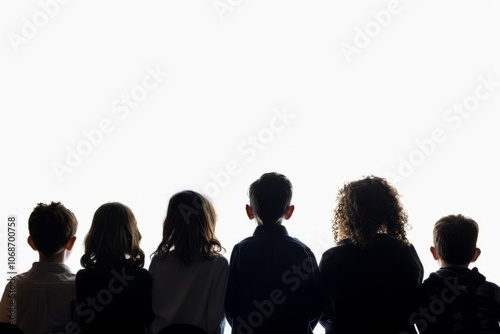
column 51, row 226
column 366, row 207
column 270, row 197
column 189, row 229
column 455, row 238
column 113, row 236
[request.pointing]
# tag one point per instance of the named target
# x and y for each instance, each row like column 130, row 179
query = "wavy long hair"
column 366, row 207
column 189, row 229
column 113, row 236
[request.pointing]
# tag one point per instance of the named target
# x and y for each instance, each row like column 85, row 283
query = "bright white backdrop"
column 132, row 101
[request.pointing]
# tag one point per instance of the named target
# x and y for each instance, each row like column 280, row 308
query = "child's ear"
column 249, row 210
column 435, row 253
column 477, row 252
column 70, row 243
column 31, row 243
column 289, row 212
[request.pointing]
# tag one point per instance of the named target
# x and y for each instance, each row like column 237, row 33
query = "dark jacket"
column 116, row 296
column 273, row 284
column 457, row 300
column 368, row 290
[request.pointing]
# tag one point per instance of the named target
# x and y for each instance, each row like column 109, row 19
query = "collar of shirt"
column 50, row 267
column 270, row 229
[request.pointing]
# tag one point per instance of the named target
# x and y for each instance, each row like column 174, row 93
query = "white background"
column 230, row 70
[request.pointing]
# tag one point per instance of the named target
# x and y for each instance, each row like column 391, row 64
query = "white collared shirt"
column 45, row 299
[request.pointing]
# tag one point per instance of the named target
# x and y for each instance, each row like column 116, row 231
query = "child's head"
column 270, row 197
column 189, row 228
column 366, row 207
column 52, row 229
column 113, row 236
column 455, row 238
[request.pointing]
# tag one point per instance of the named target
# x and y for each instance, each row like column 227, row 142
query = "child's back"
column 114, row 290
column 191, row 294
column 369, row 275
column 273, row 285
column 459, row 300
column 189, row 272
column 456, row 299
column 372, row 284
column 43, row 299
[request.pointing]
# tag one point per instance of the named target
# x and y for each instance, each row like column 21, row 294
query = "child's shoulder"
column 284, row 241
column 221, row 263
column 296, row 241
column 342, row 247
column 491, row 289
column 220, row 259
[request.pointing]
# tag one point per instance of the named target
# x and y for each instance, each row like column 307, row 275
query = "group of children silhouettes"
column 371, row 281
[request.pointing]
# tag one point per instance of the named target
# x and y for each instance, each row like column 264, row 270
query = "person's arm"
column 417, row 264
column 327, row 303
column 414, row 295
column 79, row 284
column 153, row 267
column 215, row 312
column 314, row 303
column 494, row 292
column 232, row 291
column 85, row 314
column 147, row 298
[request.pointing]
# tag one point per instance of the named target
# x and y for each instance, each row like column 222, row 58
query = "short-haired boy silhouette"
column 273, row 280
column 44, row 298
column 455, row 299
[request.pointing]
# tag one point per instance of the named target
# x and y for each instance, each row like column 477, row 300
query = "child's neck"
column 261, row 223
column 444, row 264
column 56, row 258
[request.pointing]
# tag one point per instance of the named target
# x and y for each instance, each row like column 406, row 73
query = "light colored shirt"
column 189, row 294
column 44, row 298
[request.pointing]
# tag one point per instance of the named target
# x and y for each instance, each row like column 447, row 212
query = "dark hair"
column 51, row 226
column 455, row 238
column 189, row 229
column 366, row 207
column 270, row 197
column 113, row 236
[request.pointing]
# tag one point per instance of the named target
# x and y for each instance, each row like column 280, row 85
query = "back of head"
column 366, row 207
column 455, row 238
column 113, row 236
column 51, row 226
column 189, row 228
column 270, row 197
